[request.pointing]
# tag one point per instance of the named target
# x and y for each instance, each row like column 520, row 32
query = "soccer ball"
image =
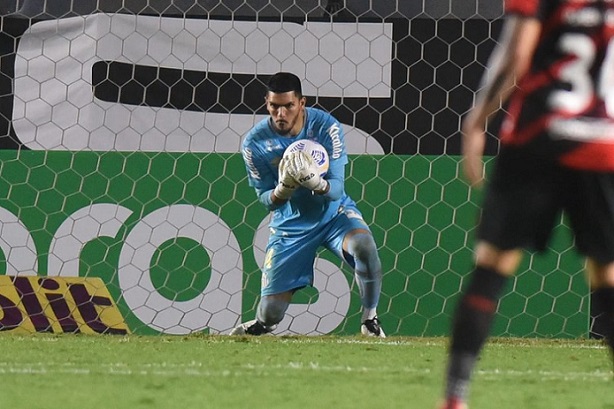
column 317, row 152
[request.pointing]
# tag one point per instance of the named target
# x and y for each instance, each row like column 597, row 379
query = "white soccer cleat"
column 372, row 328
column 242, row 328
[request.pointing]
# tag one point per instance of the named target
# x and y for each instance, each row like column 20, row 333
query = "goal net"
column 120, row 130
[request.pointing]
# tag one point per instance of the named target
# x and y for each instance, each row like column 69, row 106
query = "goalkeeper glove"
column 286, row 185
column 305, row 171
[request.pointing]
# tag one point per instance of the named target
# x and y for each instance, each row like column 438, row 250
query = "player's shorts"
column 289, row 260
column 526, row 196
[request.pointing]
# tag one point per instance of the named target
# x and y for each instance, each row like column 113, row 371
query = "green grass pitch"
column 132, row 372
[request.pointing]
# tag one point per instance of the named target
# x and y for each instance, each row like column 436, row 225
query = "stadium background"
column 120, row 160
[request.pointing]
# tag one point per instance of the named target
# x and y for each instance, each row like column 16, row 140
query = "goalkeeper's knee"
column 271, row 310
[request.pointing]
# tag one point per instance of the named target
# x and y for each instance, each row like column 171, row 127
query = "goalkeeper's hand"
column 286, row 185
column 304, row 170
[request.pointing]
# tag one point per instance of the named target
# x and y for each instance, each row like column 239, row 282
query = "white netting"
column 121, row 123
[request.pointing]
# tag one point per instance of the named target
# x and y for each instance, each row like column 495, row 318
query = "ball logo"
column 319, row 157
column 315, row 150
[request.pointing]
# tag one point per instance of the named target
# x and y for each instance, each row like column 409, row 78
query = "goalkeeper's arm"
column 269, row 200
column 336, row 180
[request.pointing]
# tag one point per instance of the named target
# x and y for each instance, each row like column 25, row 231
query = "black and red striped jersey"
column 564, row 106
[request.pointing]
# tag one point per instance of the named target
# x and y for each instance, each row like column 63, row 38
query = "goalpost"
column 120, row 127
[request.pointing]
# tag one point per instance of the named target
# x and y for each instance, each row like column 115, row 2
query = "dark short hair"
column 285, row 82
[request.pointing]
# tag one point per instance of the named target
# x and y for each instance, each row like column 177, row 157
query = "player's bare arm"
column 510, row 61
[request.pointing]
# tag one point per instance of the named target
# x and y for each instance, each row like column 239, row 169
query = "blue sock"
column 271, row 311
column 368, row 271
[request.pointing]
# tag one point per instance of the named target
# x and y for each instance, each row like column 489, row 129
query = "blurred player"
column 556, row 154
column 315, row 212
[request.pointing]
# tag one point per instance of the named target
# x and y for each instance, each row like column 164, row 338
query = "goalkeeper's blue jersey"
column 262, row 150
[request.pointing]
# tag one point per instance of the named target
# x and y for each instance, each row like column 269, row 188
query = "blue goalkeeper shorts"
column 289, row 260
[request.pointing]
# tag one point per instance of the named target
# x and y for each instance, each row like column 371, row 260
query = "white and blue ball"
column 316, row 150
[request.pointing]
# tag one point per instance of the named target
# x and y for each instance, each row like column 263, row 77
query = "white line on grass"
column 496, row 374
column 198, row 369
column 502, row 342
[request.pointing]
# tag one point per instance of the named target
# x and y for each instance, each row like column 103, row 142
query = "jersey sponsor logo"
column 582, row 129
column 248, row 157
column 587, row 17
column 273, row 145
column 333, row 131
column 57, row 304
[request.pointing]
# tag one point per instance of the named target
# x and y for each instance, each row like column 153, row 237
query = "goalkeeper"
column 309, row 211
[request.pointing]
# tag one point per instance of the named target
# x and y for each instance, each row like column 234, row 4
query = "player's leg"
column 520, row 208
column 351, row 239
column 601, row 279
column 360, row 246
column 288, row 266
column 473, row 317
column 591, row 213
column 270, row 312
